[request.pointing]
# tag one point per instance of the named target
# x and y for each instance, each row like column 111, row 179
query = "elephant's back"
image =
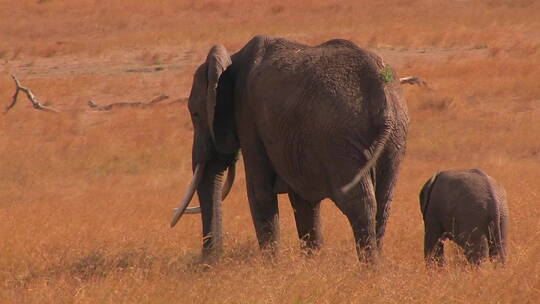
column 461, row 195
column 336, row 68
column 321, row 85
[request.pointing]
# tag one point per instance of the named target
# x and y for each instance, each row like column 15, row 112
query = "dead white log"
column 33, row 99
column 413, row 80
column 136, row 104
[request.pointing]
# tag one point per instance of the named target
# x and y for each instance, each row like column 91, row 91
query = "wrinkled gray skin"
column 468, row 207
column 308, row 120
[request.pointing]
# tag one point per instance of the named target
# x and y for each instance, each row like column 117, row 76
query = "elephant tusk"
column 231, row 174
column 193, row 210
column 197, row 176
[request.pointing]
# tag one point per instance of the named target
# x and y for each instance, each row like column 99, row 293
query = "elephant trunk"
column 207, row 181
column 231, row 174
column 210, row 192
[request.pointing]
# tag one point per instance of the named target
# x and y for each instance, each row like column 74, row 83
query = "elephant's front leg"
column 264, row 212
column 263, row 202
column 308, row 224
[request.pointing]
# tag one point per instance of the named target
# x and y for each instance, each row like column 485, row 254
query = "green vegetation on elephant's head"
column 387, row 74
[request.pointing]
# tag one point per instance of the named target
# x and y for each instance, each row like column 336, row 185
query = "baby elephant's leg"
column 475, row 246
column 433, row 245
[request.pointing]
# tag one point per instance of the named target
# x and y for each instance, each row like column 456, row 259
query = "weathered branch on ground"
column 137, row 104
column 413, row 80
column 33, row 99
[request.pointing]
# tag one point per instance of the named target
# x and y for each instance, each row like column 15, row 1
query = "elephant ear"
column 425, row 193
column 219, row 100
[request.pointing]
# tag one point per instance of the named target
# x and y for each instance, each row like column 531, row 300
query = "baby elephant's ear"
column 425, row 193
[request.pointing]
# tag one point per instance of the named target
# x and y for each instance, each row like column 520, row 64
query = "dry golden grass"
column 85, row 197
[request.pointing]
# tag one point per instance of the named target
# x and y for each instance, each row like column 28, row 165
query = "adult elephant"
column 315, row 122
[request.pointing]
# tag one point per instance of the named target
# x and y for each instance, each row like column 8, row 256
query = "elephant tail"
column 378, row 145
column 382, row 96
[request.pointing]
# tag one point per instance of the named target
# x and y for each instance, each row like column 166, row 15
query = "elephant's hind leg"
column 263, row 204
column 497, row 253
column 386, row 177
column 476, row 247
column 308, row 224
column 360, row 208
column 384, row 195
column 493, row 249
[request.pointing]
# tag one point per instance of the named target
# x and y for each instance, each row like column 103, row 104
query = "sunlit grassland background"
column 86, row 197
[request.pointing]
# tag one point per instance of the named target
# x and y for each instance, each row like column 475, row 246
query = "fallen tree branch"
column 413, row 80
column 136, row 104
column 33, row 99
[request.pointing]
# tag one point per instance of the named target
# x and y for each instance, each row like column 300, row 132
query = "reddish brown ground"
column 86, row 197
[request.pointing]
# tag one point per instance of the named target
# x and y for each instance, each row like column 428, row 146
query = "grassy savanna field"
column 86, row 197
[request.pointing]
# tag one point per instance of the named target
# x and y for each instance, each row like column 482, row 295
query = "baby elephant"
column 468, row 207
